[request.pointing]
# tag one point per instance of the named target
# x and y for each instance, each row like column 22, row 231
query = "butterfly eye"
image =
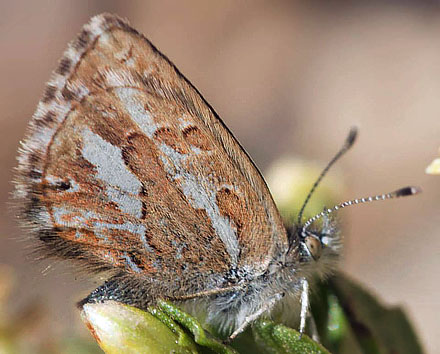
column 314, row 246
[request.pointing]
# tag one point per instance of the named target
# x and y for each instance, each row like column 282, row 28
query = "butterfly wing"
column 127, row 168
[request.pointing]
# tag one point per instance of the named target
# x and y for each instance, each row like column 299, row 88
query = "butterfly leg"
column 305, row 313
column 304, row 305
column 314, row 330
column 266, row 307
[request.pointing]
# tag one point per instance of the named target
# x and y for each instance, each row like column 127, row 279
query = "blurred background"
column 289, row 78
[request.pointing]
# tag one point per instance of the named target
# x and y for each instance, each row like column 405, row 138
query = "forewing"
column 127, row 167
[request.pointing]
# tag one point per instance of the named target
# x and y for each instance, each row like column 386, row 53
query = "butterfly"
column 127, row 170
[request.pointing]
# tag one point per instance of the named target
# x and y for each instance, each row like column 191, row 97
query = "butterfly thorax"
column 310, row 254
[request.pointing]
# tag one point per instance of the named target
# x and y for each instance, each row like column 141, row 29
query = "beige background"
column 288, row 77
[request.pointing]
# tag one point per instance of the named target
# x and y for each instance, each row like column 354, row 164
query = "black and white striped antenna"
column 402, row 192
column 351, row 138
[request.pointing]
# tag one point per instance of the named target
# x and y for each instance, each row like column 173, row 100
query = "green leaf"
column 279, row 339
column 201, row 337
column 120, row 328
column 378, row 328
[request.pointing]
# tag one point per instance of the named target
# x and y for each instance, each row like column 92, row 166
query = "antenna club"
column 406, row 191
column 352, row 135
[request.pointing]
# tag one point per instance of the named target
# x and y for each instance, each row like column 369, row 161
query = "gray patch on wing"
column 136, row 110
column 61, row 214
column 125, row 202
column 128, row 226
column 83, row 219
column 202, row 195
column 112, row 170
column 179, row 247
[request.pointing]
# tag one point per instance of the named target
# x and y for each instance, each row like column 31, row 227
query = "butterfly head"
column 316, row 248
column 313, row 244
column 318, row 243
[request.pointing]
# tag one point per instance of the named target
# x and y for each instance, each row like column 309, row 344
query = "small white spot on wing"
column 137, row 111
column 131, row 264
column 96, row 25
column 184, row 123
column 56, row 181
column 119, row 78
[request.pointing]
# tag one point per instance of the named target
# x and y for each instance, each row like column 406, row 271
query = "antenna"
column 347, row 145
column 402, row 192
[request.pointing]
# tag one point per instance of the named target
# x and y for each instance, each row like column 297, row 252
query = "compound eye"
column 314, row 247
